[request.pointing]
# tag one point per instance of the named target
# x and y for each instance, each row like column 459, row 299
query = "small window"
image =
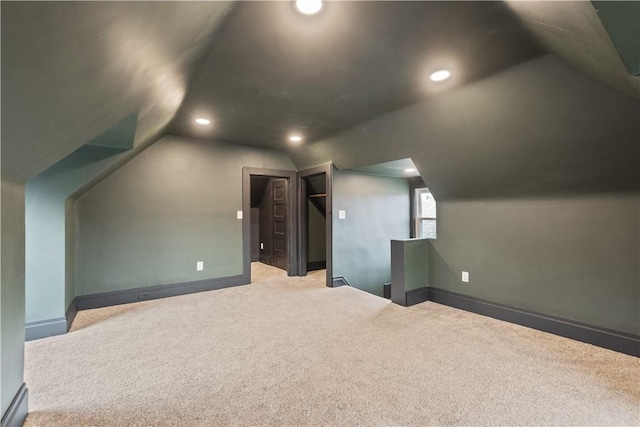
column 425, row 215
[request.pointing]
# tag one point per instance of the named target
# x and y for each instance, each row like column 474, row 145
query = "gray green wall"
column 573, row 257
column 50, row 224
column 416, row 267
column 527, row 167
column 538, row 129
column 172, row 205
column 45, row 253
column 11, row 291
column 377, row 210
column 56, row 99
column 70, row 250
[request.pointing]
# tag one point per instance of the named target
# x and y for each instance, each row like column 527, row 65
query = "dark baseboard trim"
column 45, row 328
column 264, row 259
column 416, row 296
column 386, row 290
column 18, row 409
column 51, row 327
column 71, row 313
column 106, row 299
column 61, row 325
column 316, row 265
column 601, row 337
column 339, row 281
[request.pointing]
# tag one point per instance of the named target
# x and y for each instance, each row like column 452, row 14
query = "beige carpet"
column 289, row 351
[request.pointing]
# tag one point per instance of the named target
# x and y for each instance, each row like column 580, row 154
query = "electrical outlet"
column 342, row 214
column 239, row 214
column 143, row 296
column 465, row 276
column 261, row 245
column 200, row 265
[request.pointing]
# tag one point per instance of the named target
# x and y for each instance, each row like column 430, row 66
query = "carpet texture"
column 290, row 351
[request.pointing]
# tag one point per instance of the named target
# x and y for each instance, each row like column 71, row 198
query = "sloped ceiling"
column 573, row 31
column 537, row 128
column 273, row 71
column 621, row 19
column 71, row 70
column 353, row 80
column 401, row 168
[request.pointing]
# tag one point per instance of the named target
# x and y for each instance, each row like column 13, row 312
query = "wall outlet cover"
column 342, row 214
column 465, row 276
column 261, row 245
column 239, row 215
column 200, row 265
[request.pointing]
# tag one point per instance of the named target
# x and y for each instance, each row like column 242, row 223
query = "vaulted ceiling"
column 273, row 71
column 530, row 81
column 72, row 70
column 573, row 31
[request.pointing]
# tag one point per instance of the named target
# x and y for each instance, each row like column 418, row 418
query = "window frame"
column 416, row 211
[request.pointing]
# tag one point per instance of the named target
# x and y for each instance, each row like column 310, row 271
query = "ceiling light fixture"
column 410, row 170
column 440, row 75
column 308, row 7
column 295, row 138
column 203, row 121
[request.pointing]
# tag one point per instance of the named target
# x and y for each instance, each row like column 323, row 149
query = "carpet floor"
column 290, row 351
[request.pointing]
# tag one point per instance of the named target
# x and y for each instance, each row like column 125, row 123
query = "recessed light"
column 410, row 170
column 440, row 75
column 203, row 121
column 308, row 7
column 295, row 138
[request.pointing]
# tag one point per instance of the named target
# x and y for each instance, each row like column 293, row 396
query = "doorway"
column 290, row 219
column 315, row 220
column 314, row 204
column 269, row 220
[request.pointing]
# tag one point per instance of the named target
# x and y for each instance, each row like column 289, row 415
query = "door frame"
column 327, row 169
column 292, row 217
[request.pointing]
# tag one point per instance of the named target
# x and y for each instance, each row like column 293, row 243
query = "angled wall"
column 536, row 175
column 171, row 206
column 574, row 31
column 538, row 128
column 73, row 69
column 49, row 216
column 621, row 19
column 50, row 225
column 69, row 71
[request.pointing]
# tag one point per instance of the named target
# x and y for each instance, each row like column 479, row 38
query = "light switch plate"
column 465, row 276
column 342, row 214
column 261, row 245
column 239, row 215
column 200, row 265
